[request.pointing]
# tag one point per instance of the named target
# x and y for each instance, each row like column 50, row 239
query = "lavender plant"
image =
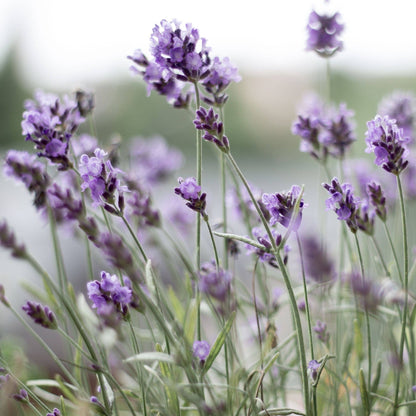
column 162, row 330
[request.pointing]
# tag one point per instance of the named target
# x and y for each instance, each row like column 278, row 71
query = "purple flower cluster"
column 343, row 202
column 189, row 190
column 318, row 266
column 221, row 74
column 400, row 106
column 323, row 34
column 8, row 241
column 324, row 131
column 264, row 254
column 214, row 281
column 181, row 56
column 386, row 140
column 313, row 367
column 366, row 291
column 100, row 177
column 55, row 412
column 49, row 123
column 109, row 297
column 153, row 160
column 281, row 207
column 200, row 350
column 117, row 253
column 358, row 214
column 320, row 329
column 41, row 315
column 24, row 167
column 214, row 129
column 22, row 396
column 377, row 199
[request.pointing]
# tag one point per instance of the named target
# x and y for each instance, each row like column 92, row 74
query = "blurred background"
column 59, row 46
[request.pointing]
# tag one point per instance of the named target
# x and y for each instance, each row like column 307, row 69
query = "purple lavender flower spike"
column 200, row 350
column 221, row 74
column 321, row 331
column 281, row 207
column 24, row 167
column 63, row 205
column 55, row 412
column 22, row 396
column 386, row 140
column 318, row 266
column 323, row 34
column 8, row 241
column 190, row 191
column 49, row 122
column 109, row 297
column 324, row 130
column 214, row 281
column 400, row 106
column 101, row 178
column 153, row 160
column 213, row 127
column 118, row 255
column 338, row 133
column 264, row 254
column 377, row 199
column 343, row 202
column 313, row 367
column 41, row 315
column 367, row 292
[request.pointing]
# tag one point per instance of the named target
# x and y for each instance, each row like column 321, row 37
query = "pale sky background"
column 65, row 43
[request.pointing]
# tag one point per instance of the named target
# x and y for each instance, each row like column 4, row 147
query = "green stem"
column 380, row 256
column 367, row 317
column 214, row 246
column 136, row 240
column 75, row 319
column 282, row 267
column 396, row 260
column 406, row 283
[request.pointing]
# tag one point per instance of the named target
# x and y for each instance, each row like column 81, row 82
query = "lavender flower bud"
column 214, row 281
column 200, row 350
column 3, row 296
column 22, row 396
column 386, row 140
column 8, row 241
column 377, row 199
column 323, row 34
column 24, row 167
column 313, row 367
column 321, row 330
column 41, row 315
column 281, row 207
column 55, row 412
column 190, row 191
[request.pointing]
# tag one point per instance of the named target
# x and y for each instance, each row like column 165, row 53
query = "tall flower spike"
column 101, row 178
column 24, row 167
column 400, row 106
column 214, row 129
column 49, row 122
column 343, row 202
column 281, row 207
column 190, row 191
column 386, row 140
column 214, row 281
column 323, row 34
column 41, row 315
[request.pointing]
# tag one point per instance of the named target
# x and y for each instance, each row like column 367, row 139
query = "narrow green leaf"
column 219, row 342
column 364, row 393
column 177, row 306
column 190, row 321
column 151, row 356
column 237, row 237
column 171, row 393
column 376, row 380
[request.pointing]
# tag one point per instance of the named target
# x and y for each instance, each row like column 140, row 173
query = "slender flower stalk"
column 405, row 288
